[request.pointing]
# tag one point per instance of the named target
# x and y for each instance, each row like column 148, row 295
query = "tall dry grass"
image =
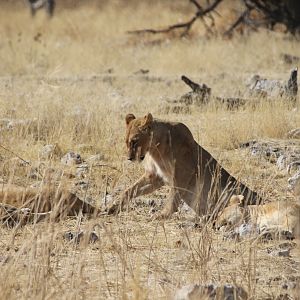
column 56, row 74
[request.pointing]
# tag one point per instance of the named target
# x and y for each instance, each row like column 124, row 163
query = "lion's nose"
column 131, row 158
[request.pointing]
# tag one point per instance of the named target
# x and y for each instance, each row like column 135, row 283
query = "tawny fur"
column 172, row 157
column 49, row 198
column 277, row 216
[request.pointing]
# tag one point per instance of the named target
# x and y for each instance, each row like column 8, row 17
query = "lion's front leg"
column 171, row 206
column 145, row 185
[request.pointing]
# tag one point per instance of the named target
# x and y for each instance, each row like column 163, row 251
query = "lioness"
column 172, row 157
column 282, row 217
column 19, row 204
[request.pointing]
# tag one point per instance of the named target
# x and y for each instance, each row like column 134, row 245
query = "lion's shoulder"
column 177, row 130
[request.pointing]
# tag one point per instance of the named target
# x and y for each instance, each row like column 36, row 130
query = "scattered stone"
column 288, row 161
column 143, row 201
column 77, row 237
column 287, row 245
column 107, row 200
column 34, row 173
column 263, row 87
column 293, row 166
column 284, row 297
column 50, row 151
column 282, row 253
column 93, row 237
column 281, row 162
column 186, row 212
column 71, row 159
column 190, row 225
column 282, row 152
column 289, row 285
column 294, row 184
column 290, row 59
column 83, row 184
column 153, row 210
column 179, row 244
column 210, row 291
column 82, row 170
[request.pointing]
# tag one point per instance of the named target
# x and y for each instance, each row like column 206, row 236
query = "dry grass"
column 57, row 73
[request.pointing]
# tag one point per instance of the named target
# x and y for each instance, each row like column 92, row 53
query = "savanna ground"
column 76, row 77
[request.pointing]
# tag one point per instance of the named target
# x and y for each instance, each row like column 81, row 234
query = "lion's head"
column 231, row 215
column 138, row 136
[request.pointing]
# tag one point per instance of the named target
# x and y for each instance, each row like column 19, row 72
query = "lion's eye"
column 144, row 130
column 134, row 142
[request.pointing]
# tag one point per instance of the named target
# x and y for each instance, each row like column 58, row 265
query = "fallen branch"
column 193, row 85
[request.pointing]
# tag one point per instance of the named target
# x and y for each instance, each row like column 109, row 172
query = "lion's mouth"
column 134, row 158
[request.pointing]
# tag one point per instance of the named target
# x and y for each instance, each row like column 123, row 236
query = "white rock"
column 71, row 159
column 294, row 184
column 210, row 291
column 49, row 151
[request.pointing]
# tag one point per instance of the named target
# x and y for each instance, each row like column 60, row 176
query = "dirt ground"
column 71, row 80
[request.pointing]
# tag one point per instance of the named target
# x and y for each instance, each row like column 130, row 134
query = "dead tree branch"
column 278, row 11
column 270, row 13
column 185, row 25
column 241, row 19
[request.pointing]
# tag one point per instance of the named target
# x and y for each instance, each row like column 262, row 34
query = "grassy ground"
column 75, row 77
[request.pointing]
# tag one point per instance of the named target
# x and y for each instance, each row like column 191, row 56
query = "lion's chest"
column 152, row 166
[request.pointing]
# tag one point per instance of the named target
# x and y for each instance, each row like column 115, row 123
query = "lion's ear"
column 129, row 118
column 236, row 199
column 148, row 119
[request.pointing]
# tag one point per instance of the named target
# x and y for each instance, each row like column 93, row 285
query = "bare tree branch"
column 185, row 25
column 198, row 6
column 271, row 12
column 240, row 20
